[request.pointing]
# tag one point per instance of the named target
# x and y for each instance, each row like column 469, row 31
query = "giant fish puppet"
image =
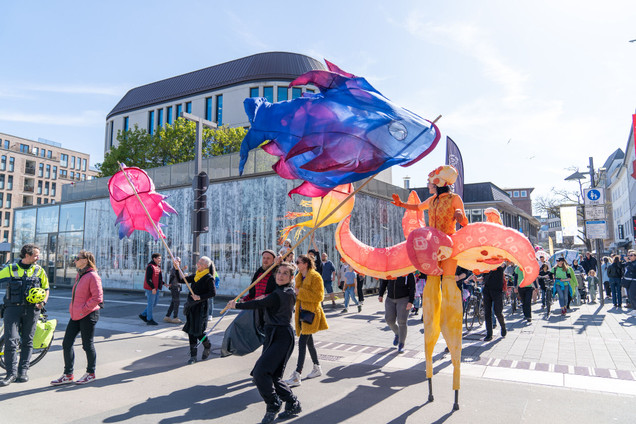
column 345, row 133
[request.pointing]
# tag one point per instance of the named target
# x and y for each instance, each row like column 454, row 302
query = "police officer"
column 19, row 314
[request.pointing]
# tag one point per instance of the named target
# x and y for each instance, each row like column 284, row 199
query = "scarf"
column 200, row 274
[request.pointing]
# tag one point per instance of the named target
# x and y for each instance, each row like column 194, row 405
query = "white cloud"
column 240, row 28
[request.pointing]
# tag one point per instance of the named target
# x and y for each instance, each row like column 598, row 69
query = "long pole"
column 121, row 166
column 197, row 168
column 311, row 231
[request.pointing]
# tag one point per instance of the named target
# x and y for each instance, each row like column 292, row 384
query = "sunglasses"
column 77, row 258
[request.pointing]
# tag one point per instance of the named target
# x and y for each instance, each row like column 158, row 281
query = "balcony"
column 29, row 170
column 29, row 189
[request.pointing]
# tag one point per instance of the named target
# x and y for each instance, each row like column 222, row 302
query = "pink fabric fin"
column 337, row 70
column 284, row 170
column 310, row 190
column 324, row 80
column 273, row 149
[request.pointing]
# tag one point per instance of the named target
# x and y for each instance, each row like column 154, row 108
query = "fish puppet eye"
column 397, row 130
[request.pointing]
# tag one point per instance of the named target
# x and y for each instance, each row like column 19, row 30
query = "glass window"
column 189, row 107
column 46, row 188
column 219, row 109
column 6, row 144
column 43, row 153
column 524, row 193
column 46, row 200
column 515, row 194
column 38, row 201
column 24, row 148
column 72, row 217
column 3, row 163
column 39, row 187
column 53, row 186
column 254, row 92
column 125, row 123
column 151, row 122
column 5, row 237
column 310, row 90
column 63, row 173
column 40, row 170
column 55, row 172
column 7, row 219
column 49, row 154
column 169, row 115
column 78, row 164
column 208, row 108
column 83, row 177
column 179, row 110
column 10, row 182
column 8, row 203
column 11, row 163
column 1, row 181
column 1, row 198
column 64, row 160
column 36, row 151
column 83, row 164
column 111, row 131
column 72, row 174
column 160, row 117
column 268, row 93
column 296, row 92
column 282, row 94
column 48, row 171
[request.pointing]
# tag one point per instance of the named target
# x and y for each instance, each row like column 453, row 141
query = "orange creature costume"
column 442, row 302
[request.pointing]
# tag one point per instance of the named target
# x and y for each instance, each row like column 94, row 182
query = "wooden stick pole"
column 121, row 166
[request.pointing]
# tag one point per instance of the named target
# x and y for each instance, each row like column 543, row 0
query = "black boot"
column 10, row 378
column 22, row 377
column 269, row 417
column 291, row 410
column 206, row 350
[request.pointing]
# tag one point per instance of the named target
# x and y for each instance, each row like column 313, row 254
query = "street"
column 581, row 368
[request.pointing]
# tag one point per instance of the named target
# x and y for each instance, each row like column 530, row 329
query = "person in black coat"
column 493, row 297
column 279, row 344
column 196, row 307
column 399, row 301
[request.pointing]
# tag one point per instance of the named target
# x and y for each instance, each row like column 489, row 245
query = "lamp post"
column 200, row 214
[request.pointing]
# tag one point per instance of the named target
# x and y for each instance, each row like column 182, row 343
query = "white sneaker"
column 294, row 380
column 316, row 372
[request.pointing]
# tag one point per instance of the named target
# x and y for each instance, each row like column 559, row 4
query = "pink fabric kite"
column 130, row 213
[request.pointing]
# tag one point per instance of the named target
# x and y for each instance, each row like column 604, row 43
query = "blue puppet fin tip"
column 251, row 105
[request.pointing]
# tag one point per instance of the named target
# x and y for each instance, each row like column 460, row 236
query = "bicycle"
column 474, row 309
column 39, row 351
column 548, row 299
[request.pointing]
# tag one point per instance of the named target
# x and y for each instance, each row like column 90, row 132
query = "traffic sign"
column 594, row 196
column 594, row 212
column 596, row 229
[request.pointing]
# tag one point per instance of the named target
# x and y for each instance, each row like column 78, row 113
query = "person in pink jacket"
column 86, row 300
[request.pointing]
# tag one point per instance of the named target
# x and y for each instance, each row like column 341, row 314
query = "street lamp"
column 200, row 215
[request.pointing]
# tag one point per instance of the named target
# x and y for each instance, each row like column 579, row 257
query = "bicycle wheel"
column 466, row 304
column 36, row 355
column 548, row 302
column 480, row 311
column 470, row 315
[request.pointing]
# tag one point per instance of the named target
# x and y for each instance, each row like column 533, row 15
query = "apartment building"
column 32, row 173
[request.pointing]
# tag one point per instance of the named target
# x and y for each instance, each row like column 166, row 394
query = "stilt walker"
column 441, row 300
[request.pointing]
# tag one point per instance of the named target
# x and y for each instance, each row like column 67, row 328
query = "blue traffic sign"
column 593, row 194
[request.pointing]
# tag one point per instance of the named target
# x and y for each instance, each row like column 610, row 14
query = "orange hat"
column 443, row 176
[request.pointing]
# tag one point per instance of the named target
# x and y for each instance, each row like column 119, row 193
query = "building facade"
column 32, row 173
column 215, row 93
column 247, row 214
column 521, row 198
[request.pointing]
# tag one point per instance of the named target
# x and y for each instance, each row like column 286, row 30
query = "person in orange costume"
column 442, row 309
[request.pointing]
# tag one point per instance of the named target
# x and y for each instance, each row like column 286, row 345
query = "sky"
column 527, row 89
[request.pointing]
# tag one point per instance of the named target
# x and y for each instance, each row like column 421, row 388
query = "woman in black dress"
column 196, row 307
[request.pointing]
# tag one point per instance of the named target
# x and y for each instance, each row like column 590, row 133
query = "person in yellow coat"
column 442, row 309
column 309, row 294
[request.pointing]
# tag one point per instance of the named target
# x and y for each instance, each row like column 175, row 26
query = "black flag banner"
column 454, row 158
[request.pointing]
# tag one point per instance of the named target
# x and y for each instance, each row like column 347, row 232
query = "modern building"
column 32, row 173
column 215, row 93
column 247, row 214
column 479, row 196
column 521, row 198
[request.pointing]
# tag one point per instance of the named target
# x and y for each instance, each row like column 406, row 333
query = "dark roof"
column 262, row 66
column 618, row 154
column 484, row 192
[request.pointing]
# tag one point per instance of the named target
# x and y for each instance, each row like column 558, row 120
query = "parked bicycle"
column 42, row 340
column 474, row 309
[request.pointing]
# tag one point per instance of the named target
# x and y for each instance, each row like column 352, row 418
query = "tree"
column 169, row 145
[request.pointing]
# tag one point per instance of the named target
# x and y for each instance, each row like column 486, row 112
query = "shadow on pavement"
column 199, row 402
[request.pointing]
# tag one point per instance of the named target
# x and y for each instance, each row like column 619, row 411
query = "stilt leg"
column 431, row 309
column 451, row 323
column 456, row 404
column 430, row 390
